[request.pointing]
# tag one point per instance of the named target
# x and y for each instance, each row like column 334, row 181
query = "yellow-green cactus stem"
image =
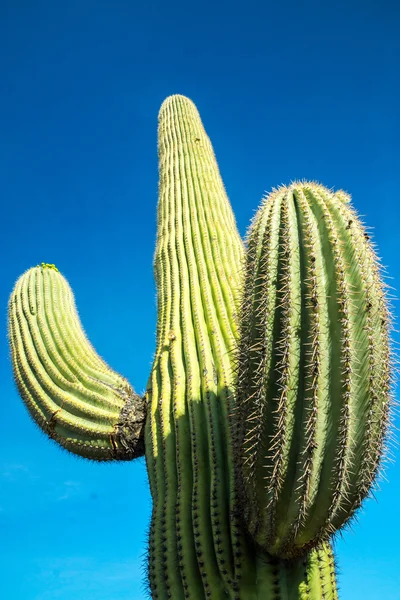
column 314, row 369
column 197, row 265
column 69, row 390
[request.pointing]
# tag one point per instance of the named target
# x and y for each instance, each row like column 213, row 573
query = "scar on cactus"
column 267, row 406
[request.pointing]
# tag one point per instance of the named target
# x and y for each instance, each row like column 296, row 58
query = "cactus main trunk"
column 197, row 547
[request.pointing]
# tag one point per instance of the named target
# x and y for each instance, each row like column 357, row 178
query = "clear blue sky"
column 286, row 90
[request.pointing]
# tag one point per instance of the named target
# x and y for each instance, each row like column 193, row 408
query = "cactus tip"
column 47, row 266
column 176, row 99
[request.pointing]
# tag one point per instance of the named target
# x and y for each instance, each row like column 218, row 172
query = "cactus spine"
column 259, row 403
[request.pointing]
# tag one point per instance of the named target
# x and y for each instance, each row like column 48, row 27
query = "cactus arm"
column 70, row 392
column 318, row 423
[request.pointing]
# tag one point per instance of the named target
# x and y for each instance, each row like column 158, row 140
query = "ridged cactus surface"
column 190, row 391
column 267, row 403
column 314, row 369
column 69, row 390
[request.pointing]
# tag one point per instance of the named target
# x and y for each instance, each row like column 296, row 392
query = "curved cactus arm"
column 314, row 369
column 69, row 390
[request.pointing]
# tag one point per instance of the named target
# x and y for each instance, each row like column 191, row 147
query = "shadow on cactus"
column 267, row 405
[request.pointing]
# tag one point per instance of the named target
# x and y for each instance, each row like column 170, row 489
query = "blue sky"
column 286, row 90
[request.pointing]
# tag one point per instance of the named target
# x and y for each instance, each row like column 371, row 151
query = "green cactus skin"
column 190, row 391
column 265, row 411
column 69, row 390
column 314, row 369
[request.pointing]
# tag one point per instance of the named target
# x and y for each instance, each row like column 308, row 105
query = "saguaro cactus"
column 221, row 396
